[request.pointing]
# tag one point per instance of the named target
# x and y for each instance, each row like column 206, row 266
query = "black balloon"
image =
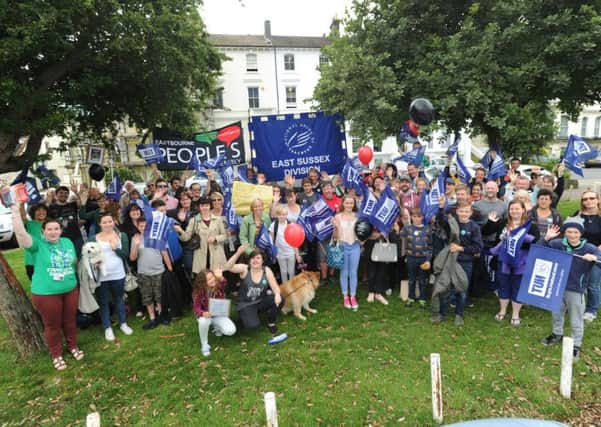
column 421, row 111
column 363, row 229
column 96, row 172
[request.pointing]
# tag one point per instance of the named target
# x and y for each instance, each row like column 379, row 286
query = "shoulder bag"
column 384, row 252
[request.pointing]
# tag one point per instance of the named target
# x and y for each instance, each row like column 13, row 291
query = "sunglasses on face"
column 584, row 199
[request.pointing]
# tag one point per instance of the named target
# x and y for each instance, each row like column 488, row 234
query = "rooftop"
column 233, row 40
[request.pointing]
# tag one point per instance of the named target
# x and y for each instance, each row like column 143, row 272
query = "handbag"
column 384, row 252
column 194, row 242
column 131, row 281
column 334, row 255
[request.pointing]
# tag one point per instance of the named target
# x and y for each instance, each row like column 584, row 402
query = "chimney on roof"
column 268, row 30
column 335, row 26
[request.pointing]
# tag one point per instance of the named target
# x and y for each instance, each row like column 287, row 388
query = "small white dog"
column 93, row 260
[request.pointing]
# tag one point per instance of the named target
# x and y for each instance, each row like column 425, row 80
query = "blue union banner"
column 291, row 144
column 545, row 278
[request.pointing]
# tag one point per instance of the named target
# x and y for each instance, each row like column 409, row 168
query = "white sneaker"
column 206, row 351
column 217, row 332
column 589, row 317
column 126, row 329
column 109, row 335
column 388, row 292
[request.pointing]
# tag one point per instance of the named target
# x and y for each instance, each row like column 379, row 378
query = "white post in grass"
column 271, row 410
column 436, row 387
column 93, row 418
column 567, row 356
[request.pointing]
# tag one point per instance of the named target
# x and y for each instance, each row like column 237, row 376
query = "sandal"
column 77, row 353
column 499, row 317
column 516, row 321
column 59, row 363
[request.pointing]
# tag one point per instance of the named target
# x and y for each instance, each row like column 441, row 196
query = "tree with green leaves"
column 77, row 68
column 492, row 67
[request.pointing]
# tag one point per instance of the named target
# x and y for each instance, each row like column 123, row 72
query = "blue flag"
column 578, row 151
column 48, row 178
column 215, row 162
column 151, row 153
column 263, row 241
column 306, row 223
column 198, row 169
column 233, row 221
column 407, row 135
column 157, row 229
column 368, row 203
column 320, row 215
column 415, row 156
column 243, row 173
column 545, row 278
column 33, row 194
column 429, row 202
column 512, row 244
column 495, row 167
column 464, row 174
column 227, row 176
column 113, row 191
column 452, row 150
column 351, row 177
column 386, row 211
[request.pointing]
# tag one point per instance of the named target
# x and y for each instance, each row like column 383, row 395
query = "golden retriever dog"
column 299, row 292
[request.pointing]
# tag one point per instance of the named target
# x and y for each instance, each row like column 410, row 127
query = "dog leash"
column 300, row 287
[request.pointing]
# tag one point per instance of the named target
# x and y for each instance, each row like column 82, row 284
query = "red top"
column 333, row 203
column 200, row 300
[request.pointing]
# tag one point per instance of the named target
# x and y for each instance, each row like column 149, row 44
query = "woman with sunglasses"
column 590, row 214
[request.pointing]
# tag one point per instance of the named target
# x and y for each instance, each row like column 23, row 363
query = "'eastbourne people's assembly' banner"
column 178, row 150
column 291, row 144
column 545, row 278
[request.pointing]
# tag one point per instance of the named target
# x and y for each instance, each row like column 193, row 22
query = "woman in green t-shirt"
column 53, row 286
column 38, row 214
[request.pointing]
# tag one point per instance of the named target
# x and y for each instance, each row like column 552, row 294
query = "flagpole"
column 598, row 261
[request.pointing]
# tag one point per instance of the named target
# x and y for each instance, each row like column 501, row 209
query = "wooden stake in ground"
column 271, row 410
column 567, row 356
column 436, row 387
column 22, row 319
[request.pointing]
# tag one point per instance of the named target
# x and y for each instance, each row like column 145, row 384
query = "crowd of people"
column 455, row 257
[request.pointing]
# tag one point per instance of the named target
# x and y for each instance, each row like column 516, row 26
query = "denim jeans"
column 592, row 294
column 115, row 289
column 459, row 296
column 416, row 274
column 348, row 272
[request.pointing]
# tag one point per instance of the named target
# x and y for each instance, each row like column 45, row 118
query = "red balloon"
column 413, row 128
column 365, row 154
column 294, row 235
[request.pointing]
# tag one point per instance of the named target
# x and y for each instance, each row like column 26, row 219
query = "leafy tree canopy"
column 493, row 67
column 77, row 67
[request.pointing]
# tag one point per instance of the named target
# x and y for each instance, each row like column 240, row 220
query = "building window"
column 289, row 62
column 323, row 60
column 584, row 126
column 218, row 98
column 290, row 96
column 251, row 62
column 253, row 97
column 563, row 127
column 597, row 127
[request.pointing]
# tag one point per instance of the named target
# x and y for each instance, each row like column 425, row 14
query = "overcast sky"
column 288, row 17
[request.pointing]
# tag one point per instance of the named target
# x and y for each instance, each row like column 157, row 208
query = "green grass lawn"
column 337, row 368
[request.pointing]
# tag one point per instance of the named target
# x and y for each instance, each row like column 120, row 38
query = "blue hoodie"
column 577, row 279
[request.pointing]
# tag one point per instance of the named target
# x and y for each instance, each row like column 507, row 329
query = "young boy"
column 573, row 298
column 150, row 274
column 465, row 245
column 418, row 255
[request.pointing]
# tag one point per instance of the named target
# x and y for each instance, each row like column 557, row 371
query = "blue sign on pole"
column 545, row 278
column 291, row 144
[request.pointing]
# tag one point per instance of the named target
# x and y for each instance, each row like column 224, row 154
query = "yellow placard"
column 243, row 194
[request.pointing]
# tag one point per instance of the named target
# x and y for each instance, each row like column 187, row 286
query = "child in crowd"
column 287, row 255
column 585, row 254
column 418, row 254
column 150, row 267
column 209, row 284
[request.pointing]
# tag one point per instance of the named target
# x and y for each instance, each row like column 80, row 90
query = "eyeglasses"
column 584, row 199
column 161, row 186
column 216, row 200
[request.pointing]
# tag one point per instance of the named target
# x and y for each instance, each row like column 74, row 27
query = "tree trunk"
column 22, row 319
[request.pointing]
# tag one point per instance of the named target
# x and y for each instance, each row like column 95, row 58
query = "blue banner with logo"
column 292, row 144
column 545, row 278
column 386, row 211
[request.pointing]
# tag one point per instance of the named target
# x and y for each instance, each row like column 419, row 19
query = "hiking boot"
column 459, row 320
column 347, row 302
column 354, row 303
column 552, row 339
column 576, row 354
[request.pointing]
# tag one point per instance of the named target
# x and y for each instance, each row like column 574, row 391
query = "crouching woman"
column 209, row 284
column 259, row 291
